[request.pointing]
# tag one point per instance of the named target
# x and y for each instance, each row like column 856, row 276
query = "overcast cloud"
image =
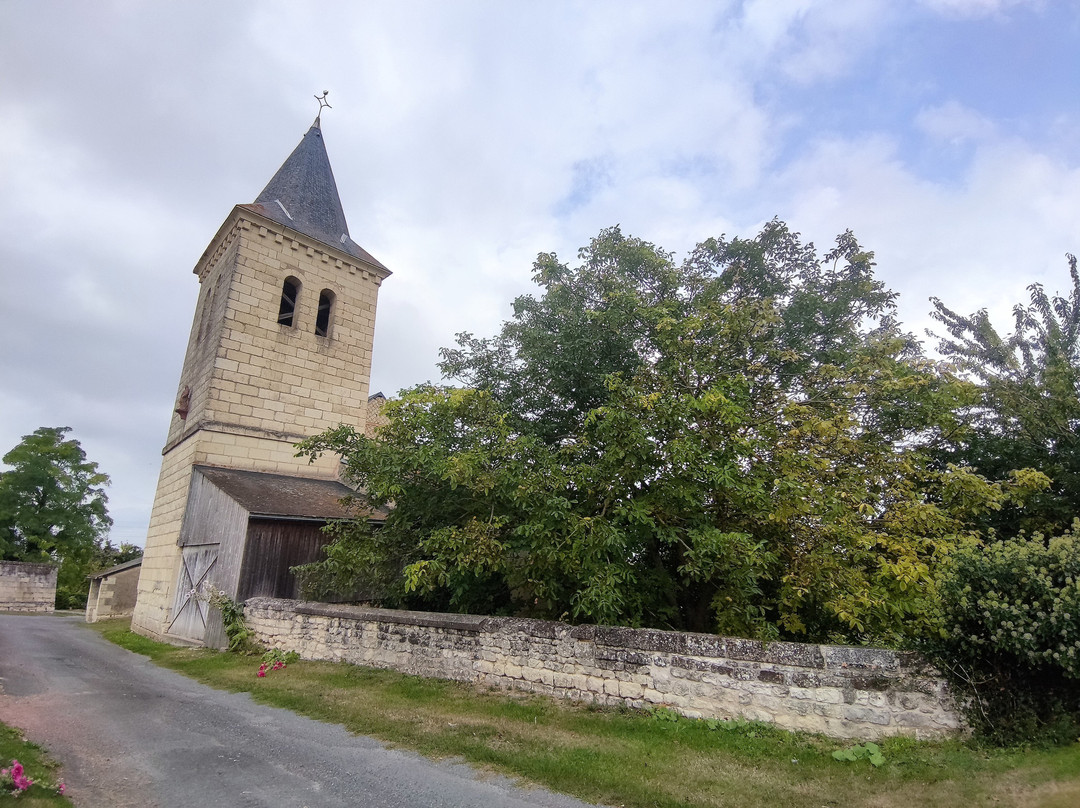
column 466, row 137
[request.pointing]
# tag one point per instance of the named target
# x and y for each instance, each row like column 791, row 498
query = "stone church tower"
column 280, row 349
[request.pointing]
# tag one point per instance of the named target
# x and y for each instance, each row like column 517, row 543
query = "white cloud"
column 954, row 123
column 976, row 244
column 968, row 9
column 807, row 40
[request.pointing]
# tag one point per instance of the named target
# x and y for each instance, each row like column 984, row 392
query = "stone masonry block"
column 866, row 715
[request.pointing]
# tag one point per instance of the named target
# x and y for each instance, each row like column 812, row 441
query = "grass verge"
column 629, row 758
column 39, row 768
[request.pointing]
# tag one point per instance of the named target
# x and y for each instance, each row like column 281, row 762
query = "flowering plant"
column 274, row 660
column 275, row 666
column 20, row 781
column 18, row 777
column 241, row 638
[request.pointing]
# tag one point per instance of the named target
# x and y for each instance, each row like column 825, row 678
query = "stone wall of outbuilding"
column 842, row 691
column 27, row 586
column 113, row 593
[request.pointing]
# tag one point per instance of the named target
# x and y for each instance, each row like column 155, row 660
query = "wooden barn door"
column 190, row 612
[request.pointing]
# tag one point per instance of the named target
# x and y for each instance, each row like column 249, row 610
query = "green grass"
column 39, row 768
column 630, row 758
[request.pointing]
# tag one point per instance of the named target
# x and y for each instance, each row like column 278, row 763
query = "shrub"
column 241, row 638
column 68, row 599
column 1011, row 637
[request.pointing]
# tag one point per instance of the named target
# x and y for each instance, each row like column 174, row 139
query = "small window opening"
column 208, row 299
column 322, row 319
column 290, row 290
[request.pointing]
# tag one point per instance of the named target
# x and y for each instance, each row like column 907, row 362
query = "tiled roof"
column 303, row 196
column 282, row 496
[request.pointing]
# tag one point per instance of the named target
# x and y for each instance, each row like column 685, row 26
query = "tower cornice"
column 245, row 218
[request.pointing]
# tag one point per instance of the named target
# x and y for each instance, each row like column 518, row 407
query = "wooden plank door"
column 190, row 611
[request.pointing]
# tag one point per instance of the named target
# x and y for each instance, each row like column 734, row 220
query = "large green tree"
column 53, row 507
column 737, row 443
column 1028, row 411
column 550, row 363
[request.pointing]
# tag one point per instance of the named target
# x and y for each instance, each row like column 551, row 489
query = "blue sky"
column 466, row 137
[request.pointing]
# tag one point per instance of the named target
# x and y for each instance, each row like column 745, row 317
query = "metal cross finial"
column 322, row 103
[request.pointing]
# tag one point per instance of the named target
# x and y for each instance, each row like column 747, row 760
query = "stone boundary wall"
column 842, row 691
column 27, row 587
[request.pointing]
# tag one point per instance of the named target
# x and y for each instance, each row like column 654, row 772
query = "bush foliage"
column 1011, row 612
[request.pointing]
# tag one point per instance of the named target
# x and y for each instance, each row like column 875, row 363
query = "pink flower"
column 16, row 770
column 60, row 789
column 262, row 672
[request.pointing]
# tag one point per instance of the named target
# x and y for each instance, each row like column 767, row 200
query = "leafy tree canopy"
column 1028, row 413
column 53, row 506
column 737, row 443
column 109, row 555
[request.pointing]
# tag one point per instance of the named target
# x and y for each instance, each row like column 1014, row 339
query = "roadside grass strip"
column 41, row 785
column 637, row 759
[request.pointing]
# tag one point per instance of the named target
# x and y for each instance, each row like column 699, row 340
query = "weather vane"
column 322, row 103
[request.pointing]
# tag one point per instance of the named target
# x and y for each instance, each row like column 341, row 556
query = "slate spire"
column 302, row 195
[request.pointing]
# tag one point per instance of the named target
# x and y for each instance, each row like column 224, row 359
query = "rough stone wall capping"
column 460, row 622
column 842, row 691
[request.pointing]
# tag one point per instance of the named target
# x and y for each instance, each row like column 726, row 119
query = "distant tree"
column 109, row 555
column 53, row 508
column 1028, row 413
column 738, row 443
